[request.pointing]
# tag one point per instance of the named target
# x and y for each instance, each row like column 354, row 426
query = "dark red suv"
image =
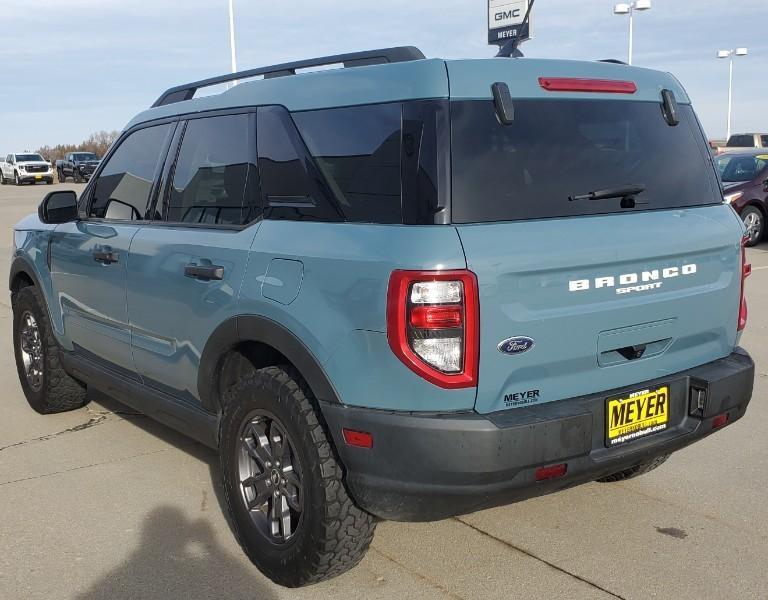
column 745, row 179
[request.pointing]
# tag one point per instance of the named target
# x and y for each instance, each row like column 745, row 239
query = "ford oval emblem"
column 516, row 345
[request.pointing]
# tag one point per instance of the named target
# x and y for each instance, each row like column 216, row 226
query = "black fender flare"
column 23, row 265
column 254, row 328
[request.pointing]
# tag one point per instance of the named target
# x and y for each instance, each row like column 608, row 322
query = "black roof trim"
column 355, row 59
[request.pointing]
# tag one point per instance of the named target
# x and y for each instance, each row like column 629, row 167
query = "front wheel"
column 47, row 387
column 60, row 176
column 2, row 178
column 755, row 224
column 16, row 178
column 284, row 489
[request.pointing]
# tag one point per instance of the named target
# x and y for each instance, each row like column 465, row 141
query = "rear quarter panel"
column 340, row 310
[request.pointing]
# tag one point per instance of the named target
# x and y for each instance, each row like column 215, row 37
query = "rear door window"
column 556, row 150
column 291, row 186
column 357, row 149
column 122, row 191
column 214, row 178
column 741, row 141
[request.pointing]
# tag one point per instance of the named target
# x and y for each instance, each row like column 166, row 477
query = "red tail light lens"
column 746, row 271
column 604, row 86
column 432, row 325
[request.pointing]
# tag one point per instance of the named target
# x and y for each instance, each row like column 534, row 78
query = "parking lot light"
column 629, row 8
column 729, row 54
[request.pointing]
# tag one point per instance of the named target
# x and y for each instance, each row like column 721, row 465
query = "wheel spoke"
column 262, row 491
column 276, row 442
column 257, row 445
column 285, row 517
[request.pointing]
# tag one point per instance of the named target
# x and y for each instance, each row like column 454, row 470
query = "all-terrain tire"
column 636, row 471
column 57, row 392
column 332, row 534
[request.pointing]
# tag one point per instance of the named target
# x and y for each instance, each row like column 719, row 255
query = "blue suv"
column 403, row 289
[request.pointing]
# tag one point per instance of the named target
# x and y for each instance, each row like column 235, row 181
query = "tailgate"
column 594, row 292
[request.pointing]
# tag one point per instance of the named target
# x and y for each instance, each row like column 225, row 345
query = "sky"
column 73, row 67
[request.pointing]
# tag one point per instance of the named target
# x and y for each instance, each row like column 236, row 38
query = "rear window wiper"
column 625, row 192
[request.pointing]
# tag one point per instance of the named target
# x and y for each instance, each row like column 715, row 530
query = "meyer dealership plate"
column 636, row 415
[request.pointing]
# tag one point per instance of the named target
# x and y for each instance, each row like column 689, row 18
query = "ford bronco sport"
column 404, row 289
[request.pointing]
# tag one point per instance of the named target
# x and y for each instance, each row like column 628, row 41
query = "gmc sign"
column 504, row 20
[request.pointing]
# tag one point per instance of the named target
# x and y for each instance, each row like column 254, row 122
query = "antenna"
column 509, row 49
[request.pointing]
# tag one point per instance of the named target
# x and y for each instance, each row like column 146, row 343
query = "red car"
column 745, row 179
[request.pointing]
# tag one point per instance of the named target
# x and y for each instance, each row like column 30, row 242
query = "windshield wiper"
column 625, row 192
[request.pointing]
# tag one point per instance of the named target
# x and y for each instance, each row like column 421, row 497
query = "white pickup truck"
column 25, row 167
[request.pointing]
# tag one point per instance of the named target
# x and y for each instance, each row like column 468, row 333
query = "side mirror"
column 58, row 207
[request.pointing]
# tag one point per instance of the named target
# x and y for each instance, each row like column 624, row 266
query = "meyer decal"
column 633, row 282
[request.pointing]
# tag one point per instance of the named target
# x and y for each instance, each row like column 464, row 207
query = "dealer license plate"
column 636, row 415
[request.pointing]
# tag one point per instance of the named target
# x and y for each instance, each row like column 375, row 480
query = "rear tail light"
column 601, row 86
column 360, row 439
column 746, row 271
column 432, row 325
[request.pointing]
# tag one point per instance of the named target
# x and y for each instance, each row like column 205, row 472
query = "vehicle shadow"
column 178, row 559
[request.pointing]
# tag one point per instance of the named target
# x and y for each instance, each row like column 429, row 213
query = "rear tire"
column 271, row 413
column 636, row 471
column 754, row 221
column 47, row 387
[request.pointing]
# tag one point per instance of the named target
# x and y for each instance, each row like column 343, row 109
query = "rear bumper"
column 430, row 467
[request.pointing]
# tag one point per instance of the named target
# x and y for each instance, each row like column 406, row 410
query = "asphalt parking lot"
column 104, row 503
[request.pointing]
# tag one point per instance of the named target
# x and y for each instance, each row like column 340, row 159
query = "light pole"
column 232, row 50
column 629, row 8
column 729, row 54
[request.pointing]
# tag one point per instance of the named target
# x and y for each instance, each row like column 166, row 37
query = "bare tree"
column 98, row 143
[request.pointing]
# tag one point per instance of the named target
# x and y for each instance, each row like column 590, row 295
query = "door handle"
column 204, row 272
column 105, row 255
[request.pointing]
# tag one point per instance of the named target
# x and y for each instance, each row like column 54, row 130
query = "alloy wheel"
column 753, row 221
column 31, row 346
column 270, row 477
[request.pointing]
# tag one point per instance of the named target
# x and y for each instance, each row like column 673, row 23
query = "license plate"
column 38, row 176
column 636, row 415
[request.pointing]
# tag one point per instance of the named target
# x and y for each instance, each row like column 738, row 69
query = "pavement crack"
column 92, row 422
column 97, row 417
column 542, row 560
column 418, row 575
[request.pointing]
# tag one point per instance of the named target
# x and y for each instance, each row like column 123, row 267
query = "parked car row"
column 30, row 167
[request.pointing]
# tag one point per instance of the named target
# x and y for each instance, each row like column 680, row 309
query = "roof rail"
column 355, row 59
column 614, row 61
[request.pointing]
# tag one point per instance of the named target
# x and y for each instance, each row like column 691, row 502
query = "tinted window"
column 122, row 190
column 740, row 167
column 358, row 152
column 211, row 178
column 291, row 185
column 558, row 149
column 741, row 141
column 764, row 139
column 29, row 158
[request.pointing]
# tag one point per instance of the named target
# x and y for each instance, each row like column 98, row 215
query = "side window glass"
column 765, row 141
column 291, row 186
column 213, row 174
column 357, row 150
column 124, row 184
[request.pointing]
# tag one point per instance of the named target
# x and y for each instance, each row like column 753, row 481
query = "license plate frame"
column 38, row 176
column 636, row 415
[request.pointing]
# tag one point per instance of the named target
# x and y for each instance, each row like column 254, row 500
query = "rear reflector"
column 720, row 421
column 598, row 86
column 360, row 439
column 544, row 473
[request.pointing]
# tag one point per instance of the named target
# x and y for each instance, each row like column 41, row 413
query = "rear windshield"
column 557, row 149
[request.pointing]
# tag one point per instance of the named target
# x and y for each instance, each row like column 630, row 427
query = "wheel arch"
column 263, row 342
column 22, row 274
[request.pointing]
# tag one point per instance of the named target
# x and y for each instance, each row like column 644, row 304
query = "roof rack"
column 355, row 59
